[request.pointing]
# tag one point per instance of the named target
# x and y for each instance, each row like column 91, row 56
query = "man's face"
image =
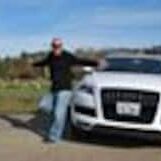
column 57, row 47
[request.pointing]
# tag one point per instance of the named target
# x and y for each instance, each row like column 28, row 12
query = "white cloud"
column 100, row 27
column 15, row 45
column 103, row 20
column 123, row 18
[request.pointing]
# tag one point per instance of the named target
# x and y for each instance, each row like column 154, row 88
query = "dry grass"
column 20, row 97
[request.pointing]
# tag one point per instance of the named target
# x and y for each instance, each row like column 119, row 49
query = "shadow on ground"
column 35, row 124
column 38, row 123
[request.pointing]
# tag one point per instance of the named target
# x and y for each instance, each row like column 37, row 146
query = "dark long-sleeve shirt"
column 60, row 66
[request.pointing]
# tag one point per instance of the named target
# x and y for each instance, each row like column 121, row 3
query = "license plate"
column 128, row 109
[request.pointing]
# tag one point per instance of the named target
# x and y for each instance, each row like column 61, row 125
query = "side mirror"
column 88, row 69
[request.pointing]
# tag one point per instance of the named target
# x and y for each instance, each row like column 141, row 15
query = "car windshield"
column 137, row 65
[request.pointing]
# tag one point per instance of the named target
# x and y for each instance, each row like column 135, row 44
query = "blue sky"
column 30, row 25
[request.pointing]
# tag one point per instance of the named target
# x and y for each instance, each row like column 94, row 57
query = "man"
column 59, row 62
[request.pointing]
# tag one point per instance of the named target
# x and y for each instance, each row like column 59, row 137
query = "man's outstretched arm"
column 84, row 62
column 42, row 62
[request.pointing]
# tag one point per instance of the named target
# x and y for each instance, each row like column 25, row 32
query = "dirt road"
column 20, row 140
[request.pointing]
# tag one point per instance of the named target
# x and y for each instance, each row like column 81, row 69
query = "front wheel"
column 78, row 134
column 74, row 133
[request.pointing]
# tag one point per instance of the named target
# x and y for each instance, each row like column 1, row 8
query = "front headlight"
column 86, row 89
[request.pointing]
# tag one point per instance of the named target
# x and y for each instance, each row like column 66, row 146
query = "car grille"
column 148, row 101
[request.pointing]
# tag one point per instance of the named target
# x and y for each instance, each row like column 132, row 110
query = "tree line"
column 21, row 67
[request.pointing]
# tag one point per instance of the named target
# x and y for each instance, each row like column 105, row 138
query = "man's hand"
column 102, row 63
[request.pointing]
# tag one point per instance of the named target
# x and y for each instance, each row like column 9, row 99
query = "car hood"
column 128, row 80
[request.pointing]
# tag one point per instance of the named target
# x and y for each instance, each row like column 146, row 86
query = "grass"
column 21, row 97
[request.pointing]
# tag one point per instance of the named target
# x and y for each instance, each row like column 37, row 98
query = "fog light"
column 85, row 111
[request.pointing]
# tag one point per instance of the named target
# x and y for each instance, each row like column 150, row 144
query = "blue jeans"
column 58, row 115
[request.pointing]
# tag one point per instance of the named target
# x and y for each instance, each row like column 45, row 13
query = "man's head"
column 57, row 46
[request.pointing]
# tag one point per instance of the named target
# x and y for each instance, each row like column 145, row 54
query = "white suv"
column 123, row 96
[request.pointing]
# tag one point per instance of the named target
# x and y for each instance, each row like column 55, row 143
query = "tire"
column 72, row 133
column 78, row 134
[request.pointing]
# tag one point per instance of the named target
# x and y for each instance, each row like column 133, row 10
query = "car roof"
column 135, row 56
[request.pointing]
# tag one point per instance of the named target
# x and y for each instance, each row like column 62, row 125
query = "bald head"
column 57, row 46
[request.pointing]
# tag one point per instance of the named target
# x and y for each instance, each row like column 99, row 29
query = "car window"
column 138, row 65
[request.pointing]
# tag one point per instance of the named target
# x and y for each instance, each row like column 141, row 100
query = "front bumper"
column 128, row 133
column 89, row 123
